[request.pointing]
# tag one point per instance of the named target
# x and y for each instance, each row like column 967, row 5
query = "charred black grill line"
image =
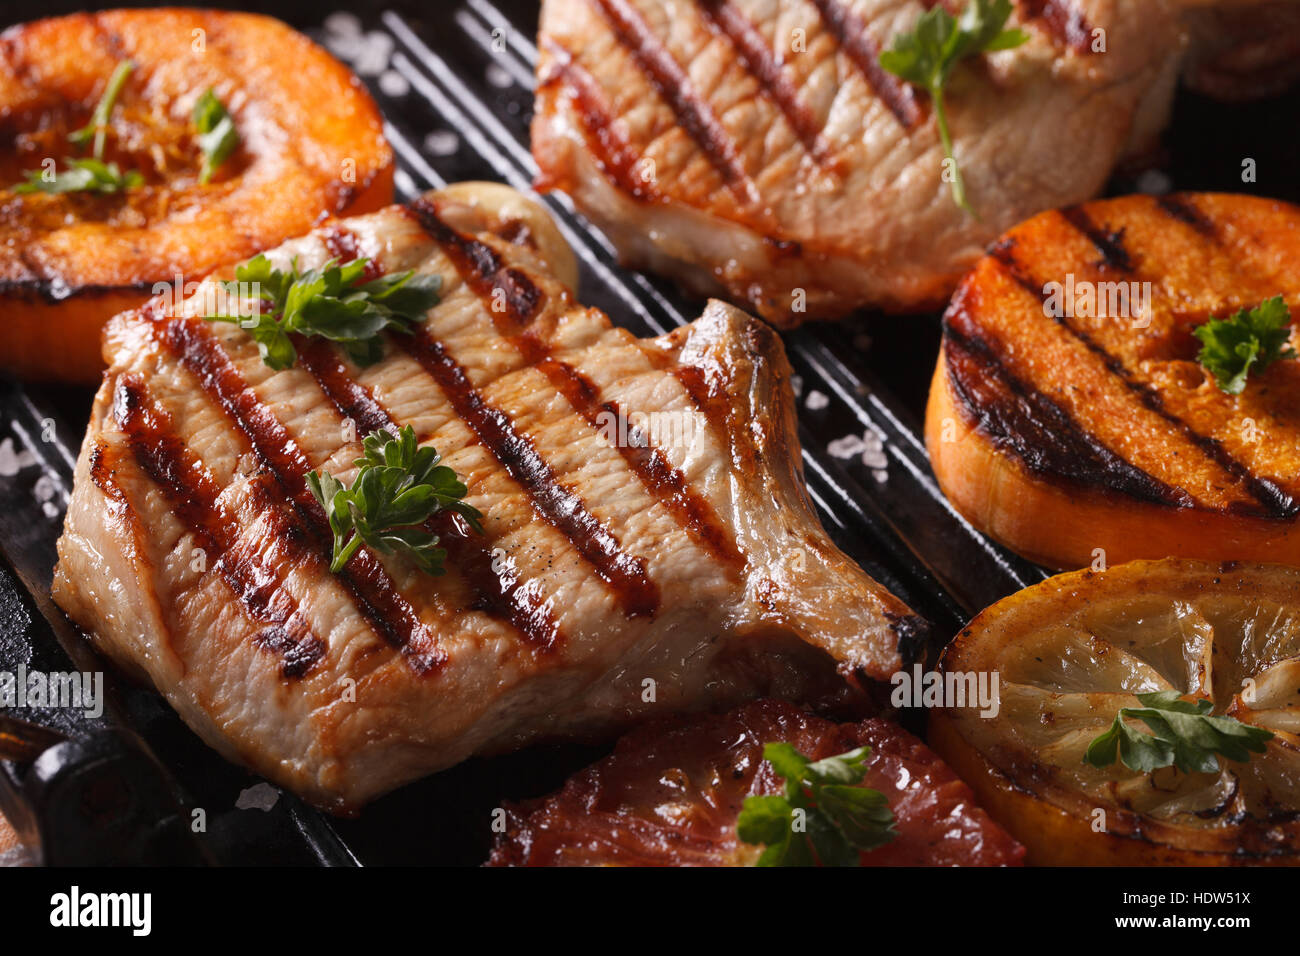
column 1004, row 252
column 768, row 71
column 480, row 266
column 372, row 590
column 485, row 273
column 1274, row 501
column 101, row 474
column 1020, row 419
column 1110, row 243
column 343, row 246
column 675, row 86
column 1182, row 209
column 193, row 497
column 500, row 595
column 55, row 290
column 851, row 34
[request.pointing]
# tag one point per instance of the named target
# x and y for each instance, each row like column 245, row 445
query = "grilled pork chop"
column 1069, row 412
column 637, row 569
column 669, row 795
column 758, row 150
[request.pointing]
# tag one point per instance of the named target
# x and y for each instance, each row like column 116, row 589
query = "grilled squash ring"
column 311, row 144
column 1069, row 417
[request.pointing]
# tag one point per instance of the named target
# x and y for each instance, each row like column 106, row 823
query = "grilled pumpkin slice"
column 310, row 143
column 1068, row 412
column 1071, row 651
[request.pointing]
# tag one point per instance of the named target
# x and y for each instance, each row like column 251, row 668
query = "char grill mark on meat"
column 481, row 267
column 376, row 596
column 1064, row 22
column 674, row 85
column 194, row 497
column 769, row 71
column 617, row 157
column 352, row 399
column 849, row 205
column 502, row 593
column 600, row 548
column 664, row 482
column 101, row 474
column 852, row 37
column 483, row 271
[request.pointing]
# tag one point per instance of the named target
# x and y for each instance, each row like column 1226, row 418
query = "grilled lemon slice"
column 1073, row 650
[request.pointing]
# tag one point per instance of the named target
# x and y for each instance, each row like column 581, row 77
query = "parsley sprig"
column 97, row 128
column 82, row 176
column 90, row 174
column 926, row 58
column 332, row 302
column 217, row 134
column 1183, row 735
column 399, row 487
column 1252, row 339
column 823, row 817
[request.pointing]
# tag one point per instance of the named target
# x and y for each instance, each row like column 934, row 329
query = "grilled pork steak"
column 758, row 150
column 631, row 564
column 670, row 795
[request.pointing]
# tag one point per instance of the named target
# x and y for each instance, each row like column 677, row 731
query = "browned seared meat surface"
column 756, row 148
column 625, row 571
column 669, row 795
column 1243, row 49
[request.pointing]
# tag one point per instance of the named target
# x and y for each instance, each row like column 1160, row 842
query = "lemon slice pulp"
column 1073, row 650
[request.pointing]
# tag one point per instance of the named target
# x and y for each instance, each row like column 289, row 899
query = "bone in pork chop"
column 625, row 569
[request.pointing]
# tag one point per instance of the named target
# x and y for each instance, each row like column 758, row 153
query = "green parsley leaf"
column 218, row 137
column 939, row 41
column 82, row 175
column 97, row 128
column 823, row 817
column 398, row 488
column 331, row 302
column 90, row 174
column 1183, row 735
column 1253, row 338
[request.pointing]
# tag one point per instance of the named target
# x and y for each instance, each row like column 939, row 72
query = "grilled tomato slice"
column 307, row 140
column 1071, row 651
column 672, row 790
